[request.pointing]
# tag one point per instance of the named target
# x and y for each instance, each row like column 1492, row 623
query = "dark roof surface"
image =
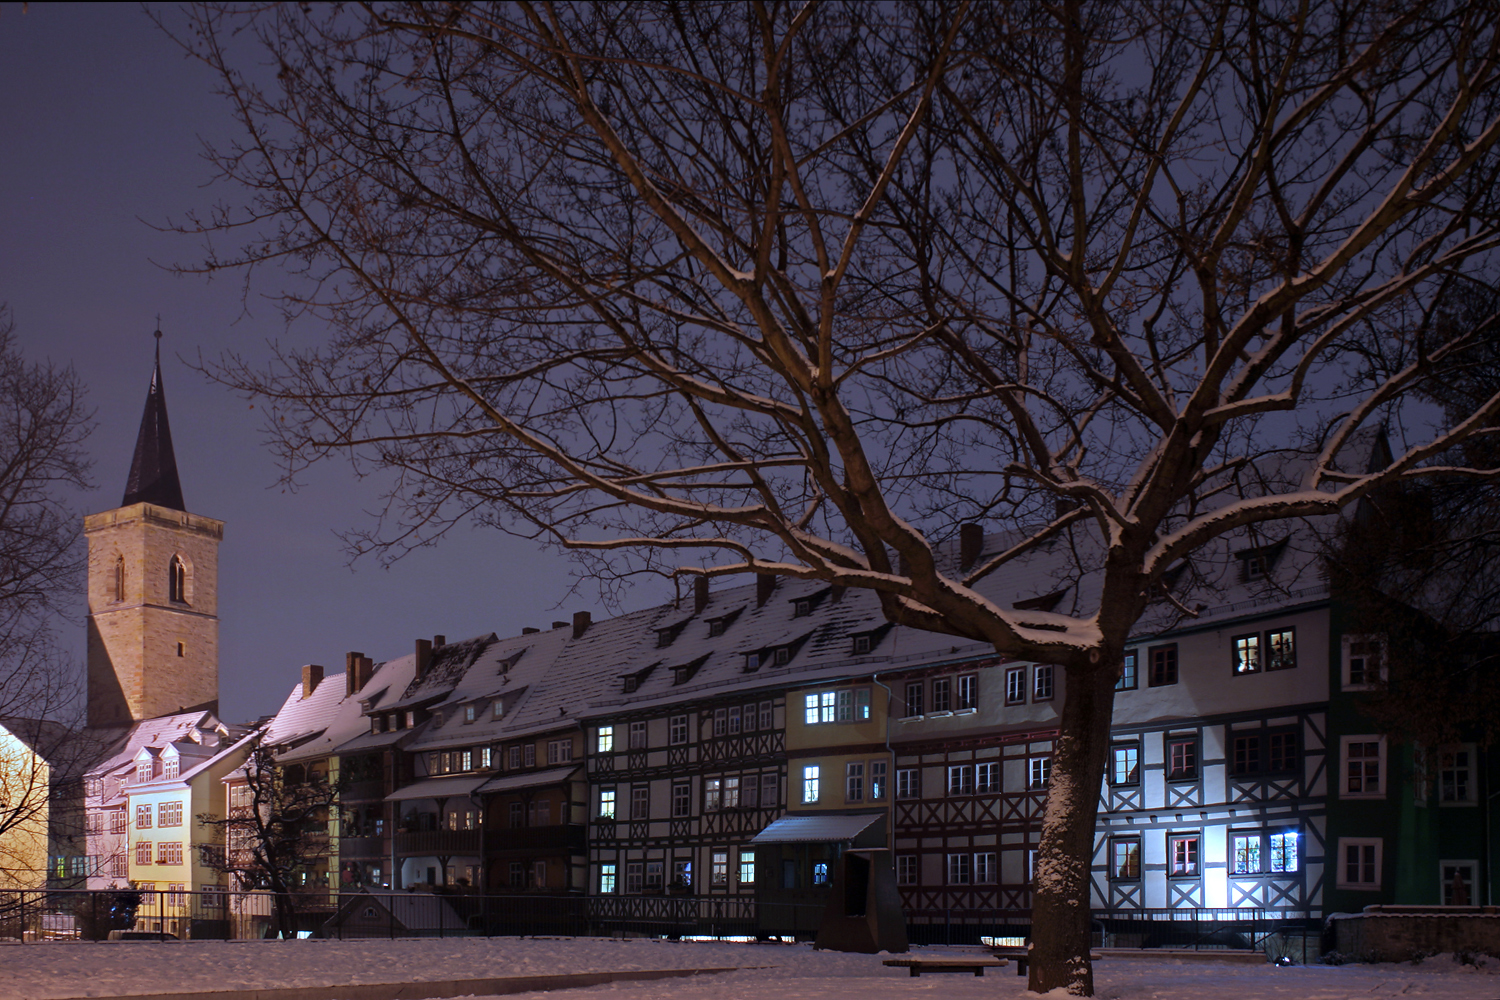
column 153, row 470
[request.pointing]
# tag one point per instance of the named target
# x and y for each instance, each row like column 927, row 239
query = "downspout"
column 890, row 777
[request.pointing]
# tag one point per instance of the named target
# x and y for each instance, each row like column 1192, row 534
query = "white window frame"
column 1346, row 660
column 1341, row 871
column 1015, row 686
column 1443, row 883
column 606, row 739
column 811, row 783
column 608, row 803
column 907, row 869
column 1471, row 791
column 1043, row 682
column 1383, row 769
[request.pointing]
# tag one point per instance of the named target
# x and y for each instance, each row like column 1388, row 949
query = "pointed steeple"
column 153, row 470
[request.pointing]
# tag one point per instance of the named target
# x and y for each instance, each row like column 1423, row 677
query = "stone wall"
column 1397, row 933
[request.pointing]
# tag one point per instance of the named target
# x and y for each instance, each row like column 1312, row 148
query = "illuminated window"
column 606, row 739
column 606, row 879
column 810, row 783
column 1247, row 654
column 747, row 868
column 1283, row 851
column 1244, row 854
column 1128, row 678
column 1281, row 649
column 607, row 803
column 713, row 790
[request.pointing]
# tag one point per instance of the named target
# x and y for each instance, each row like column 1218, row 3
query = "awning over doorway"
column 815, row 829
column 437, row 788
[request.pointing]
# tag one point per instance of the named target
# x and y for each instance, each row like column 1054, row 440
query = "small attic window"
column 1257, row 563
column 169, row 767
column 374, row 723
column 411, row 718
column 686, row 672
column 861, row 644
column 783, row 656
column 715, row 627
column 633, row 683
column 471, row 712
column 752, row 661
column 497, row 708
column 802, row 608
column 181, row 648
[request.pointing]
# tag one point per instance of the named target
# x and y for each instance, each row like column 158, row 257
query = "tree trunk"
column 1060, row 925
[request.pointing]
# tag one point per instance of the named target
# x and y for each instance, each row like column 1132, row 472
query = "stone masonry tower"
column 153, row 625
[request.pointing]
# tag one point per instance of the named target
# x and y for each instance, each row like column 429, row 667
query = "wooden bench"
column 1019, row 955
column 948, row 963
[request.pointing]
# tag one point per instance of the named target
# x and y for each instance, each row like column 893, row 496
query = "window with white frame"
column 1039, row 769
column 1129, row 675
column 640, row 802
column 906, row 869
column 1245, row 853
column 913, row 706
column 1363, row 772
column 747, row 868
column 960, row 869
column 528, row 754
column 770, row 787
column 908, row 784
column 606, row 879
column 654, row 874
column 1457, row 884
column 877, row 780
column 1015, row 685
column 677, row 729
column 682, row 799
column 713, row 789
column 719, row 868
column 1125, row 764
column 1364, row 661
column 1182, row 758
column 513, row 757
column 558, row 751
column 854, row 781
column 766, row 714
column 606, row 803
column 967, row 693
column 637, row 736
column 1042, row 679
column 635, row 878
column 606, row 742
column 987, row 778
column 961, row 779
column 1359, row 861
column 1125, row 858
column 810, row 783
column 1456, row 775
column 1182, row 856
column 732, row 792
column 721, row 721
column 734, row 720
column 985, row 870
column 942, row 694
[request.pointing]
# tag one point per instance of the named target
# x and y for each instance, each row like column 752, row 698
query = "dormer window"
column 390, row 721
column 471, row 712
column 632, row 683
column 801, row 608
column 497, row 708
column 169, row 767
column 1257, row 563
column 783, row 656
column 375, row 724
column 411, row 718
column 752, row 661
column 861, row 645
column 177, row 580
column 143, row 770
column 716, row 627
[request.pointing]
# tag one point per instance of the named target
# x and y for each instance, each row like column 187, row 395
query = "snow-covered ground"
column 769, row 972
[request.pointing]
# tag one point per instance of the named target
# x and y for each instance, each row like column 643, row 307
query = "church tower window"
column 119, row 578
column 177, row 580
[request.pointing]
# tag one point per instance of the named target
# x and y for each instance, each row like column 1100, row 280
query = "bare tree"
column 274, row 831
column 795, row 288
column 44, row 423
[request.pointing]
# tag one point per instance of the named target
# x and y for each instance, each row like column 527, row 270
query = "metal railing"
column 96, row 915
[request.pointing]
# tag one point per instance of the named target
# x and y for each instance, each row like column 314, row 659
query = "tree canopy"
column 798, row 288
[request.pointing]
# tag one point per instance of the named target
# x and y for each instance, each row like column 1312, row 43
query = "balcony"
column 438, row 843
column 532, row 838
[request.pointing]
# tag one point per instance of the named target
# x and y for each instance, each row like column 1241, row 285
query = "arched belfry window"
column 177, row 580
column 119, row 578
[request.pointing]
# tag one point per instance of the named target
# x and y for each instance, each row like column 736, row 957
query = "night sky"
column 100, row 119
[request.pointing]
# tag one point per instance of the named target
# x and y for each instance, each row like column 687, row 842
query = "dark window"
column 1015, row 686
column 1125, row 858
column 1182, row 760
column 1163, row 665
column 1245, row 756
column 942, row 694
column 177, row 580
column 1283, row 752
column 913, row 699
column 1125, row 765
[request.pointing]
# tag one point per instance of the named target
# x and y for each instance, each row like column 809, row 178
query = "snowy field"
column 768, row 972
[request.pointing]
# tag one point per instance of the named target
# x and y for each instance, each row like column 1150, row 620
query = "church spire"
column 153, row 470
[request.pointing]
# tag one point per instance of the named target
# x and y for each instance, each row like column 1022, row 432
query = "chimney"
column 970, row 544
column 764, row 584
column 700, row 594
column 366, row 670
column 581, row 622
column 351, row 673
column 439, row 640
column 530, row 631
column 424, row 657
column 312, row 676
column 559, row 624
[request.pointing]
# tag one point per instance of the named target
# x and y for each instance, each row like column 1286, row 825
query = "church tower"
column 153, row 625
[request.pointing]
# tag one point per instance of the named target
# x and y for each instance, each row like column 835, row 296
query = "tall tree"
column 44, row 422
column 717, row 288
column 275, row 829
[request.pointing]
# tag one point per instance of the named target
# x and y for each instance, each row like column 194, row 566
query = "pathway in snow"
column 787, row 972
